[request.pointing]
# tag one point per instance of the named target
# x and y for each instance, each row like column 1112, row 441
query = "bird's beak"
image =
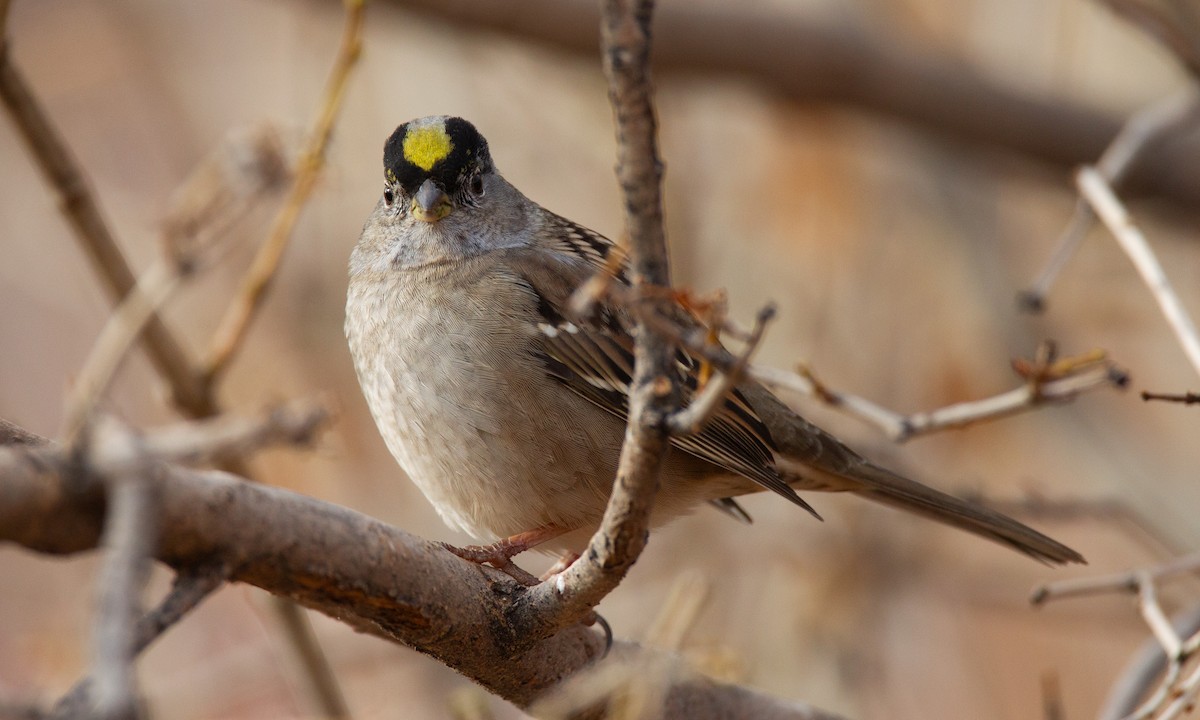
column 430, row 203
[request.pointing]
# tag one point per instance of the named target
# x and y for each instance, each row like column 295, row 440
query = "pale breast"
column 465, row 407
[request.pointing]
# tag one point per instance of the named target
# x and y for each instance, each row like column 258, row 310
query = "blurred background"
column 891, row 177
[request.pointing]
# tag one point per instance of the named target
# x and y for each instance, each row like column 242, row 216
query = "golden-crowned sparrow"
column 508, row 411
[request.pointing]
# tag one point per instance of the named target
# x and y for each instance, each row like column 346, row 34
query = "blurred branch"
column 83, row 214
column 1144, row 130
column 820, row 62
column 120, row 332
column 1146, row 667
column 1103, row 200
column 236, row 321
column 191, row 442
column 188, row 590
column 193, row 393
column 1177, row 687
column 1188, row 398
column 373, row 577
column 1155, row 23
column 129, row 534
column 1119, row 582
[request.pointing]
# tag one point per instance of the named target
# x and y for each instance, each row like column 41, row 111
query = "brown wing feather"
column 595, row 359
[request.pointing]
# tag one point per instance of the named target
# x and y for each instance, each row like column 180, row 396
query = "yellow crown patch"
column 427, row 146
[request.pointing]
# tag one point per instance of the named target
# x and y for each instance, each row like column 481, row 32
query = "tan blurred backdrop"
column 894, row 257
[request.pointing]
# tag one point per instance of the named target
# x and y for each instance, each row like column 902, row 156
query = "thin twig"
column 129, row 537
column 900, row 428
column 1154, row 616
column 1127, row 582
column 1143, row 672
column 1144, row 129
column 325, row 688
column 623, row 530
column 189, row 589
column 692, row 418
column 1175, row 692
column 119, row 334
column 236, row 322
column 1188, row 398
column 1104, row 201
column 187, row 592
column 224, row 438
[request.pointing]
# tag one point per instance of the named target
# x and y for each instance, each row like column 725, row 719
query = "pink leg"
column 499, row 554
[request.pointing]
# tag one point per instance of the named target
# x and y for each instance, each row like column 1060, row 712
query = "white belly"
column 466, row 410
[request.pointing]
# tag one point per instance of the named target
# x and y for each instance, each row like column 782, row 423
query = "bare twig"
column 369, row 575
column 236, row 321
column 325, row 689
column 224, row 438
column 1137, row 137
column 129, row 537
column 1127, row 582
column 1104, row 201
column 188, row 590
column 1176, row 689
column 692, row 418
column 623, row 530
column 121, row 330
column 1143, row 130
column 1143, row 672
column 1188, row 398
column 1059, row 381
column 1075, row 376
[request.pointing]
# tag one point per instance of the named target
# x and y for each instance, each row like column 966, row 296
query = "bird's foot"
column 499, row 554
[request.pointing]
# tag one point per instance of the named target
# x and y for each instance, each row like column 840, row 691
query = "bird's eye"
column 477, row 185
column 389, row 196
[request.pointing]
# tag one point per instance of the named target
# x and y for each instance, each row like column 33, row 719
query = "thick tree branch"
column 369, row 575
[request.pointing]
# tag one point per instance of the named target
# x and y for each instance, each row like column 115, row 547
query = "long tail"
column 888, row 488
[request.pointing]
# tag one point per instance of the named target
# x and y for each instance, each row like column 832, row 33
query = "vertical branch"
column 625, row 30
column 129, row 537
